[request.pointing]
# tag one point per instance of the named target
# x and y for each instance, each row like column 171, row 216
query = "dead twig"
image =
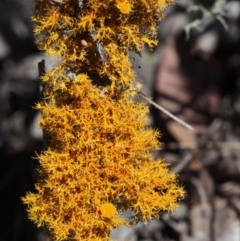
column 100, row 48
column 178, row 227
column 181, row 122
column 186, row 160
column 202, row 195
column 230, row 145
column 41, row 73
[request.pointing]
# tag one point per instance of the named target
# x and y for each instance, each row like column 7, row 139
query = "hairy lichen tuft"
column 98, row 162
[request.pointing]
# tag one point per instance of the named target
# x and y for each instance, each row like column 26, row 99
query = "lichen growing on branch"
column 98, row 161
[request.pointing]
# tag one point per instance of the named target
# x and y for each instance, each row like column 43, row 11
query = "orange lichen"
column 98, row 161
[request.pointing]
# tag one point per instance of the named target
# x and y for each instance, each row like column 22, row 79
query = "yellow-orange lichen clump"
column 98, row 160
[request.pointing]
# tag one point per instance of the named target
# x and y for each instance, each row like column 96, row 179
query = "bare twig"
column 202, row 194
column 181, row 122
column 178, row 227
column 215, row 127
column 41, row 72
column 100, row 48
column 229, row 145
column 186, row 160
column 41, row 68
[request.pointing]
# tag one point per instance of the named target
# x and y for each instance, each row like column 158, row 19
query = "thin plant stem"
column 181, row 122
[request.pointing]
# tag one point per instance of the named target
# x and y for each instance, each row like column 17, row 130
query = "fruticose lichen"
column 98, row 162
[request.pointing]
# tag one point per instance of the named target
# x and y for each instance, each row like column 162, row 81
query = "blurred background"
column 194, row 73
